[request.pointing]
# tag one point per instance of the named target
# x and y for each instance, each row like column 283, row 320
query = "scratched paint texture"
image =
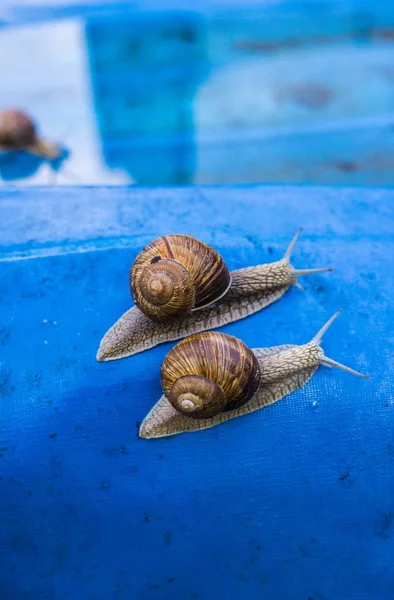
column 292, row 502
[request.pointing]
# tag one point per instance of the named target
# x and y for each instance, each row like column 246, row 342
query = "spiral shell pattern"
column 208, row 373
column 175, row 274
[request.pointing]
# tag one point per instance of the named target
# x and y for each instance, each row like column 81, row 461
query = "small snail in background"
column 18, row 132
column 212, row 377
column 182, row 286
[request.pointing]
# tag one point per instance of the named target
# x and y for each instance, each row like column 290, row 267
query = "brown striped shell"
column 175, row 274
column 16, row 129
column 208, row 373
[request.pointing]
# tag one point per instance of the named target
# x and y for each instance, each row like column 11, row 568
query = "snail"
column 18, row 132
column 211, row 377
column 182, row 286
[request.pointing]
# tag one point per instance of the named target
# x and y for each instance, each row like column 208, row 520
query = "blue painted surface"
column 292, row 502
column 222, row 92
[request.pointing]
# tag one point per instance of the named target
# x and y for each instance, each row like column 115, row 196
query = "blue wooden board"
column 292, row 502
column 222, row 92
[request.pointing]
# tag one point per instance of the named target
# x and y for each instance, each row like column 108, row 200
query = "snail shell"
column 16, row 129
column 209, row 373
column 18, row 132
column 175, row 274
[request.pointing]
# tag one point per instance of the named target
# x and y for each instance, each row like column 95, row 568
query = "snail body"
column 18, row 132
column 228, row 297
column 226, row 362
